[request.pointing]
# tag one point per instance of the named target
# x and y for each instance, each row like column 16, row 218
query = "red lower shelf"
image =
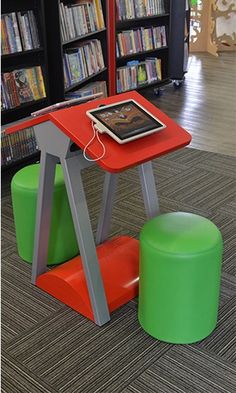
column 119, row 265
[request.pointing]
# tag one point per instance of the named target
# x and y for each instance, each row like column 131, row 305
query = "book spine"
column 16, row 32
column 10, row 33
column 28, row 32
column 40, row 81
column 4, row 42
column 32, row 78
column 99, row 10
column 34, row 29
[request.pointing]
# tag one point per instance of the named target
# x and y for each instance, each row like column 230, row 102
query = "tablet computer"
column 125, row 121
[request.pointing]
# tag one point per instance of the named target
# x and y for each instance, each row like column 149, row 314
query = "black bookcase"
column 56, row 48
column 173, row 56
column 179, row 40
column 29, row 58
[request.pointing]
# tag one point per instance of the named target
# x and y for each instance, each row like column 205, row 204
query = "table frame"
column 56, row 147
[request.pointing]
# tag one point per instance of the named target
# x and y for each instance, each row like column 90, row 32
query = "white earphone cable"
column 95, row 134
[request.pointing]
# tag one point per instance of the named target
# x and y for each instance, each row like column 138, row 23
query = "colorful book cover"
column 22, row 84
column 142, row 74
column 75, row 72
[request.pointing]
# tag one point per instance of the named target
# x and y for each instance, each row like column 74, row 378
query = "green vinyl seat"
column 180, row 265
column 24, row 190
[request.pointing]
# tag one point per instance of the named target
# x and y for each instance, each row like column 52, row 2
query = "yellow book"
column 146, row 38
column 158, row 68
column 133, row 42
column 32, row 79
column 99, row 12
column 40, row 82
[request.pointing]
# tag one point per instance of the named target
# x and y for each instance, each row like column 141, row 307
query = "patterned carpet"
column 48, row 347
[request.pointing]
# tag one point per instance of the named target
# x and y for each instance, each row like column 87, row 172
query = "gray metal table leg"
column 149, row 189
column 75, row 190
column 104, row 221
column 43, row 215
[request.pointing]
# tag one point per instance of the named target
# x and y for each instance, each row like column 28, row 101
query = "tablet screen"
column 126, row 119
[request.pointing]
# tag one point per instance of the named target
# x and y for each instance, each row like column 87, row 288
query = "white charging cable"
column 95, row 134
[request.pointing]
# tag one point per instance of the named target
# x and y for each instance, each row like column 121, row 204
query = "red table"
column 101, row 279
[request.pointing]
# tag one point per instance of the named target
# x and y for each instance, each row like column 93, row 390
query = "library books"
column 19, row 32
column 132, row 9
column 136, row 74
column 82, row 61
column 80, row 18
column 21, row 86
column 17, row 146
column 140, row 40
column 89, row 89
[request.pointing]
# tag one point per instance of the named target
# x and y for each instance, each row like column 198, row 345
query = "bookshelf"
column 124, row 16
column 22, row 54
column 143, row 31
column 48, row 15
column 24, row 74
column 62, row 40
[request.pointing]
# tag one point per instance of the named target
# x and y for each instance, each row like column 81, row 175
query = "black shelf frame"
column 22, row 53
column 120, row 24
column 156, row 84
column 179, row 17
column 34, row 157
column 84, row 81
column 83, row 37
column 143, row 53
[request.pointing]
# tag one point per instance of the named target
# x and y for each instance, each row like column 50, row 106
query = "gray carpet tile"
column 224, row 344
column 185, row 369
column 47, row 347
column 18, row 379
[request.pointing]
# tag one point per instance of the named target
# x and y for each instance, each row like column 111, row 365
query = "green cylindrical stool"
column 180, row 265
column 24, row 190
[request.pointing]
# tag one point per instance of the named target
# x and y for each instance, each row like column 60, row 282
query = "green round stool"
column 24, row 190
column 180, row 265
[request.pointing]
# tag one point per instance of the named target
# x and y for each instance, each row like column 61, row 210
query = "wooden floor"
column 205, row 104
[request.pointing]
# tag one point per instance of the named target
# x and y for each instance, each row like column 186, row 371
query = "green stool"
column 24, row 189
column 180, row 264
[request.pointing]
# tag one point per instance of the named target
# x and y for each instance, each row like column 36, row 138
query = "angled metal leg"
column 75, row 190
column 149, row 189
column 43, row 215
column 104, row 221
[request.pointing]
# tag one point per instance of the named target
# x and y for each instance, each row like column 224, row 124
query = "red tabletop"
column 76, row 125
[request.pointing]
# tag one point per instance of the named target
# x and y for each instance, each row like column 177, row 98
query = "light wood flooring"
column 205, row 104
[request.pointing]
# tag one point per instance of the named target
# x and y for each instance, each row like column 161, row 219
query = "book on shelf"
column 140, row 40
column 82, row 61
column 17, row 146
column 132, row 9
column 136, row 74
column 19, row 32
column 80, row 18
column 22, row 85
column 89, row 89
